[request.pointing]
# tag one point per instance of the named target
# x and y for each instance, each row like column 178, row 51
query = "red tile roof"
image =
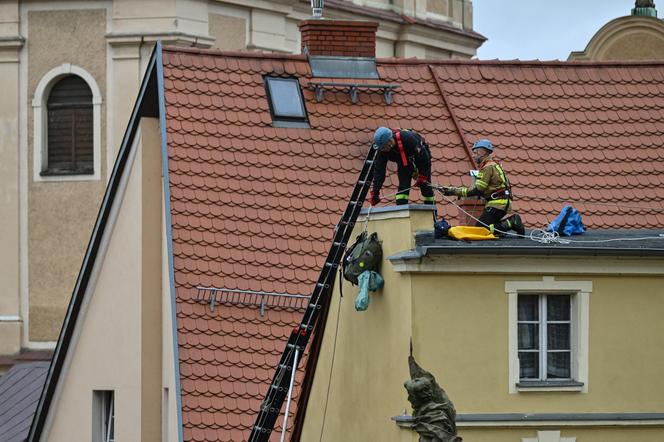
column 254, row 206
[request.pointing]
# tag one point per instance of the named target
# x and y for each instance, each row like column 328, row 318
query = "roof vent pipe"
column 317, row 8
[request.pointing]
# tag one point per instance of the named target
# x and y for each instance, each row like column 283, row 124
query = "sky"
column 542, row 29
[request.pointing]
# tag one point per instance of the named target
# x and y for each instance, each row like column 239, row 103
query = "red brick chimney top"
column 343, row 38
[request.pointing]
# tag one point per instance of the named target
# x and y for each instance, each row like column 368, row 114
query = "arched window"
column 69, row 130
column 66, row 108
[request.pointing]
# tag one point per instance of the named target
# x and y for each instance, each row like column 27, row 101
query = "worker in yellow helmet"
column 491, row 184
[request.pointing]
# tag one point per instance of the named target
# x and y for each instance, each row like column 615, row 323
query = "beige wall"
column 10, row 323
column 230, row 33
column 61, row 214
column 118, row 344
column 626, row 38
column 459, row 323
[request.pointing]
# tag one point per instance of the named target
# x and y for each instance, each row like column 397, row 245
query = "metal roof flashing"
column 343, row 67
column 632, row 243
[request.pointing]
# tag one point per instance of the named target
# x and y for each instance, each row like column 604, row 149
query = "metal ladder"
column 279, row 388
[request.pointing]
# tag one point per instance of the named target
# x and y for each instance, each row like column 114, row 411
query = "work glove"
column 421, row 179
column 450, row 191
column 374, row 197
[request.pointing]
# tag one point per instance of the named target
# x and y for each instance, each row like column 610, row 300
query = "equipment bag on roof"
column 365, row 254
column 470, row 233
column 567, row 223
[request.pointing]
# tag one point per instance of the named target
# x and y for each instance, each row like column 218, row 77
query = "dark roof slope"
column 20, row 388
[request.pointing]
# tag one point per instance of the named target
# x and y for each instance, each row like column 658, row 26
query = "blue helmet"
column 486, row 144
column 381, row 136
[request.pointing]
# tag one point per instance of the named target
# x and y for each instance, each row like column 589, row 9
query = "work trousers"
column 406, row 174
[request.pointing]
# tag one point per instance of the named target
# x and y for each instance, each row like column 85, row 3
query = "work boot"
column 514, row 222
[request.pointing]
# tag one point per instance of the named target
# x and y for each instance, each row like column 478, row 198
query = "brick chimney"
column 342, row 38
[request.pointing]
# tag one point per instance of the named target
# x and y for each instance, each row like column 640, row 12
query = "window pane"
column 528, row 307
column 558, row 365
column 70, row 127
column 529, row 365
column 558, row 307
column 286, row 97
column 528, row 336
column 558, row 336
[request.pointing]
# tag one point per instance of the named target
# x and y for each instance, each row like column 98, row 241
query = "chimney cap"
column 317, row 8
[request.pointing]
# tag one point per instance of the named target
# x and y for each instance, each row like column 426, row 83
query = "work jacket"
column 491, row 184
column 415, row 155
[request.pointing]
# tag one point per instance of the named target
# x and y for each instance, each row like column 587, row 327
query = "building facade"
column 532, row 342
column 71, row 71
column 638, row 36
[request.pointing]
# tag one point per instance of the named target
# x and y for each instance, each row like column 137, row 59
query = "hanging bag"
column 365, row 254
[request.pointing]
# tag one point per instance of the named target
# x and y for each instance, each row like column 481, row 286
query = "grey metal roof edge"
column 91, row 255
column 169, row 238
column 544, row 417
column 548, row 417
column 542, row 251
column 408, row 255
column 391, row 209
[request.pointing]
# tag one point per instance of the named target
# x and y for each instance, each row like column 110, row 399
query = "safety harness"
column 402, row 151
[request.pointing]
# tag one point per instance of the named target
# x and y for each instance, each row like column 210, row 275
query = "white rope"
column 544, row 237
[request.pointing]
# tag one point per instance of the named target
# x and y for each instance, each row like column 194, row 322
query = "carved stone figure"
column 645, row 4
column 434, row 416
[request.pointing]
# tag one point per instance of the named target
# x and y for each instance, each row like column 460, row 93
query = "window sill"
column 528, row 386
column 51, row 173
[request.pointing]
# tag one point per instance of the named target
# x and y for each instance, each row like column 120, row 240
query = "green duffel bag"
column 365, row 254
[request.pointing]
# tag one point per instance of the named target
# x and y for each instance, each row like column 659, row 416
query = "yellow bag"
column 470, row 233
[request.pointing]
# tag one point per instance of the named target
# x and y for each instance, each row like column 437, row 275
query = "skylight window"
column 286, row 102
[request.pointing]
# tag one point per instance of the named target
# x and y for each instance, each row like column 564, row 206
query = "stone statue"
column 645, row 4
column 434, row 416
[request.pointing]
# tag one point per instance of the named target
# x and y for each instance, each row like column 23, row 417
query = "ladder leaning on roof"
column 271, row 406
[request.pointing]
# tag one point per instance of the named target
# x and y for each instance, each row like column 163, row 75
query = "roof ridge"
column 234, row 54
column 521, row 63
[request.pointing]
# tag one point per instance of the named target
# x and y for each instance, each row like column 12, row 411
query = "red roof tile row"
column 254, row 206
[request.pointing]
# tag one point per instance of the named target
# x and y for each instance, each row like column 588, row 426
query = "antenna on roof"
column 317, row 8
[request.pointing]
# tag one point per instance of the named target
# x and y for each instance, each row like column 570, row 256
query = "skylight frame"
column 285, row 119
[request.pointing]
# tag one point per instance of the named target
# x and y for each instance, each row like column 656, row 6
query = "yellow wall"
column 459, row 327
column 371, row 355
column 604, row 434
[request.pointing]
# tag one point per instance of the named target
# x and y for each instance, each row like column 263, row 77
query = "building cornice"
column 409, row 262
column 168, row 38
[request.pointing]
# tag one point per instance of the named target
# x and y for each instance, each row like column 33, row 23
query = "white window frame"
column 542, row 327
column 548, row 436
column 103, row 415
column 580, row 298
column 40, row 119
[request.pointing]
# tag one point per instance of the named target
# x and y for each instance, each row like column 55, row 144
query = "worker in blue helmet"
column 492, row 184
column 410, row 151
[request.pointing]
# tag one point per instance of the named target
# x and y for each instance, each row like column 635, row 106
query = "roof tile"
column 253, row 205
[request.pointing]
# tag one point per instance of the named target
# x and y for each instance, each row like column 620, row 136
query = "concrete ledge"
column 508, row 420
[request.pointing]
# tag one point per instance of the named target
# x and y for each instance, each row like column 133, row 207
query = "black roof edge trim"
column 92, row 250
